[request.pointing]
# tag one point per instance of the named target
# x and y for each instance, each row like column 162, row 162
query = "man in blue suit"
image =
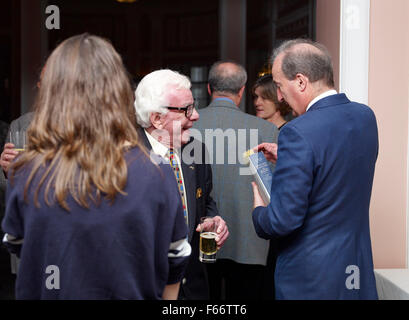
column 322, row 182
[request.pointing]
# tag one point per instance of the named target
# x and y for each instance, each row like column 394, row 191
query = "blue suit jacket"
column 320, row 203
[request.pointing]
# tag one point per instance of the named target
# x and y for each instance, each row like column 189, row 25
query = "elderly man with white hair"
column 165, row 109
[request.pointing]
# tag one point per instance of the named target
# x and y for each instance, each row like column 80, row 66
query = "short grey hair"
column 152, row 93
column 223, row 80
column 307, row 57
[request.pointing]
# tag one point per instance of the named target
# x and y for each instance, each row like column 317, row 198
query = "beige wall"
column 388, row 97
column 327, row 26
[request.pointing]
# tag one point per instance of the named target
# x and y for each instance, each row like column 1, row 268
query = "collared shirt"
column 321, row 96
column 162, row 150
column 224, row 99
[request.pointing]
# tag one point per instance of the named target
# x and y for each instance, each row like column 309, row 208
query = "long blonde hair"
column 83, row 117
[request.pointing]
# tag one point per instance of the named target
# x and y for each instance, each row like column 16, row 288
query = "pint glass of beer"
column 18, row 138
column 208, row 247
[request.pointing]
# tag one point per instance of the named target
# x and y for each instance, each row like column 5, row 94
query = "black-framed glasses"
column 188, row 109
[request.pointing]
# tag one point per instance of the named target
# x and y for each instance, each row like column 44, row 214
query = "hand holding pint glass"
column 208, row 233
column 16, row 144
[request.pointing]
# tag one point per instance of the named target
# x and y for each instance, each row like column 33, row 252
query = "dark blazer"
column 198, row 184
column 110, row 250
column 319, row 205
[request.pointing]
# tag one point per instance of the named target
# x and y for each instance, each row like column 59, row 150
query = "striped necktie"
column 178, row 175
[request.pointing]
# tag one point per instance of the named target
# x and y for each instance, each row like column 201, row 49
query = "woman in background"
column 269, row 108
column 87, row 211
column 266, row 103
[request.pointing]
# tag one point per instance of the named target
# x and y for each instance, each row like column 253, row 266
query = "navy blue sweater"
column 126, row 250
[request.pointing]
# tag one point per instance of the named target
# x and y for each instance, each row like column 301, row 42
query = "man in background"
column 240, row 271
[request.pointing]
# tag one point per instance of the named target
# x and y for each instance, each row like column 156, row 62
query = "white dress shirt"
column 162, row 150
column 321, row 96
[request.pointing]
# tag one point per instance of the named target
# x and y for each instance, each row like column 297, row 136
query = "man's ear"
column 208, row 90
column 241, row 91
column 156, row 120
column 302, row 81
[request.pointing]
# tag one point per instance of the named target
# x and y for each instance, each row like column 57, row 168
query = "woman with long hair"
column 87, row 211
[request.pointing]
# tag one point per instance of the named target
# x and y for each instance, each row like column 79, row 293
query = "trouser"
column 229, row 280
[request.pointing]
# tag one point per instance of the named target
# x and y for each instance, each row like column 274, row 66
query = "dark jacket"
column 114, row 250
column 198, row 183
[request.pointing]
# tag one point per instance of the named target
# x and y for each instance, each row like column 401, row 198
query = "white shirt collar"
column 321, row 96
column 162, row 150
column 157, row 147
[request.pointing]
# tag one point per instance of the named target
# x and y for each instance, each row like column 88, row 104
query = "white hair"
column 152, row 93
